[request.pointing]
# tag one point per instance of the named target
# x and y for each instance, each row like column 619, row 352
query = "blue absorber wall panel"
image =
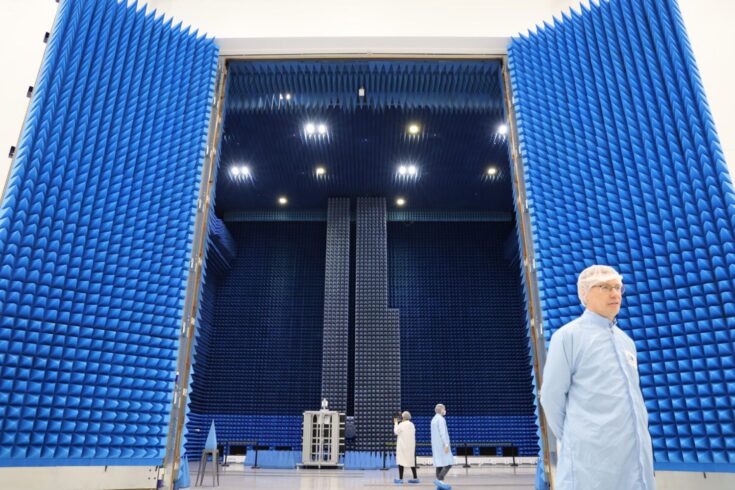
column 377, row 331
column 264, row 351
column 623, row 166
column 96, row 228
column 518, row 430
column 336, row 305
column 463, row 332
column 267, row 430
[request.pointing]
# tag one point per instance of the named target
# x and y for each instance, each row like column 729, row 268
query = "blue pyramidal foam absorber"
column 377, row 331
column 335, row 334
column 623, row 166
column 96, row 229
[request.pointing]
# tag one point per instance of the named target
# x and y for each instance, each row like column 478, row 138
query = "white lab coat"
column 405, row 443
column 593, row 403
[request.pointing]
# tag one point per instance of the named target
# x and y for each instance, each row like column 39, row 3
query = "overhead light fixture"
column 361, row 92
column 414, row 129
column 282, row 200
column 502, row 129
column 400, row 201
column 408, row 171
column 492, row 171
column 320, row 171
column 322, row 129
column 310, row 128
column 240, row 171
column 288, row 96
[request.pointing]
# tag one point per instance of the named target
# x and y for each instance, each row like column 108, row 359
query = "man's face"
column 605, row 298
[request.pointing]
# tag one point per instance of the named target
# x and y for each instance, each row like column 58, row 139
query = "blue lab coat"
column 439, row 440
column 592, row 400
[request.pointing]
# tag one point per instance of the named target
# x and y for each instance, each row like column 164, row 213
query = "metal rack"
column 323, row 441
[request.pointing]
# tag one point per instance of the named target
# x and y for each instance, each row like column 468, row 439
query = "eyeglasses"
column 609, row 289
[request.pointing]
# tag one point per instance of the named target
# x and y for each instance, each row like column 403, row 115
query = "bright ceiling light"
column 322, row 129
column 288, row 96
column 245, row 170
column 235, row 171
column 414, row 129
column 402, row 170
column 320, row 171
column 310, row 128
column 282, row 200
column 502, row 129
column 412, row 170
column 491, row 171
column 400, row 201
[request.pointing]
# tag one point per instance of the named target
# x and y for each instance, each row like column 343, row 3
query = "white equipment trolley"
column 323, row 441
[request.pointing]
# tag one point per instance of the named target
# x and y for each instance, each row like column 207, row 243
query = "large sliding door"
column 622, row 166
column 96, row 231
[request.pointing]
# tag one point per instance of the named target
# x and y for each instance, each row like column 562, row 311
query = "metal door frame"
column 283, row 49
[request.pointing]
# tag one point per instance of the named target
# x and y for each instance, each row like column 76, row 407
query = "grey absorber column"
column 335, row 342
column 377, row 331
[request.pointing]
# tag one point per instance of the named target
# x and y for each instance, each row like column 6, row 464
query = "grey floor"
column 495, row 477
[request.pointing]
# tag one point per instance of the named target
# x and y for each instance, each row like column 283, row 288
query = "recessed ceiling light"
column 400, row 201
column 235, row 171
column 322, row 129
column 320, row 171
column 310, row 128
column 492, row 171
column 412, row 170
column 502, row 129
column 288, row 96
column 414, row 129
column 245, row 170
column 282, row 200
column 402, row 170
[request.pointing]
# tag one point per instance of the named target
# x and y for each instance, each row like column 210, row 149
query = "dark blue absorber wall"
column 263, row 360
column 463, row 338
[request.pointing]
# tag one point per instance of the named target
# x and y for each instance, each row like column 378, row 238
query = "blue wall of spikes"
column 96, row 227
column 262, row 365
column 336, row 332
column 463, row 341
column 377, row 357
column 623, row 166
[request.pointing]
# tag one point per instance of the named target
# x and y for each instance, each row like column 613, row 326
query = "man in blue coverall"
column 591, row 394
column 441, row 449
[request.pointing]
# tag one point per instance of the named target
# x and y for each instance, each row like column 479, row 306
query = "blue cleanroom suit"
column 593, row 403
column 439, row 440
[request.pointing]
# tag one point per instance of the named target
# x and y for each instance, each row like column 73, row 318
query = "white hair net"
column 593, row 275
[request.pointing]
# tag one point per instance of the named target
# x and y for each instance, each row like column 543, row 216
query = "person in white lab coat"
column 441, row 449
column 405, row 446
column 591, row 394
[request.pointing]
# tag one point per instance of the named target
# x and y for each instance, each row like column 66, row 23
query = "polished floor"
column 236, row 477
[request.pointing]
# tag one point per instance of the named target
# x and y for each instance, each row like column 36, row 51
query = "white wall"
column 21, row 48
